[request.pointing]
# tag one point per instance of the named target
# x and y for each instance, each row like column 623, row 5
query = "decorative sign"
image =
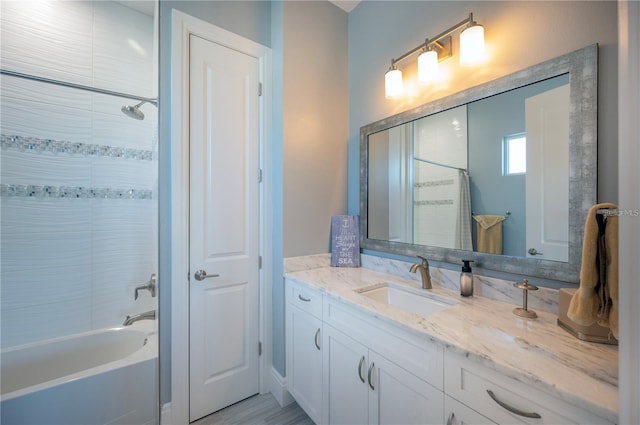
column 345, row 241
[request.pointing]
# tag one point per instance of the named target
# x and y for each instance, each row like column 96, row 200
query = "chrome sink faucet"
column 424, row 272
column 147, row 315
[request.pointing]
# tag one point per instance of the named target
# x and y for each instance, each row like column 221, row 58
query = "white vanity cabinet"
column 366, row 388
column 352, row 362
column 374, row 376
column 304, row 349
column 504, row 400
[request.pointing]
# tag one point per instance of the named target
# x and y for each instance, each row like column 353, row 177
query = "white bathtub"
column 107, row 376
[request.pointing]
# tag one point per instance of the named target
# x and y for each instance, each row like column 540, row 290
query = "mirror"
column 501, row 173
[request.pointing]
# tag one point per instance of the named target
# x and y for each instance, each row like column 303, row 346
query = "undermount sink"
column 416, row 301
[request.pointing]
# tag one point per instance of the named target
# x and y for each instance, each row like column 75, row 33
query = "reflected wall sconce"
column 435, row 50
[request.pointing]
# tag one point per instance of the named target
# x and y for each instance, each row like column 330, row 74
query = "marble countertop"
column 537, row 352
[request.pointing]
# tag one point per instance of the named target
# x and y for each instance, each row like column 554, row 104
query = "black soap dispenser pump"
column 466, row 279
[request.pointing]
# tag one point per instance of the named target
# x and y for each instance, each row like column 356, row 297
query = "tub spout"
column 147, row 315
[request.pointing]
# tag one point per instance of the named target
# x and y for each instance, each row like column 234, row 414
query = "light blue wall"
column 277, row 289
column 250, row 19
column 518, row 33
column 314, row 90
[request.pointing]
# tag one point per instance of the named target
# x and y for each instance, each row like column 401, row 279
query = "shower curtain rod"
column 437, row 163
column 77, row 86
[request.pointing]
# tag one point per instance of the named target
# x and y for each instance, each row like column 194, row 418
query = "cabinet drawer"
column 457, row 413
column 305, row 298
column 498, row 397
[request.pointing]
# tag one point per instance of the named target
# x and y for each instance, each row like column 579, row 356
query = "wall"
column 314, row 137
column 518, row 34
column 629, row 175
column 79, row 195
column 315, row 122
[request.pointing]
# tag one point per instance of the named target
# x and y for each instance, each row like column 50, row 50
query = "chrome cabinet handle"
column 303, row 298
column 202, row 275
column 513, row 409
column 360, row 371
column 369, row 376
column 450, row 420
column 533, row 251
column 316, row 339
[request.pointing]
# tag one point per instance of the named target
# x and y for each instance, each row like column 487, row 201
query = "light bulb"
column 393, row 83
column 428, row 67
column 472, row 45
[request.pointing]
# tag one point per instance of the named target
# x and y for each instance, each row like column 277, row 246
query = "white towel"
column 463, row 223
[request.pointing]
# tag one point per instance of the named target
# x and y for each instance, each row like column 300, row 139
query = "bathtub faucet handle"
column 149, row 286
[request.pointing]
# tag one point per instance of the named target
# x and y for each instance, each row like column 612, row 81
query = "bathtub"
column 108, row 376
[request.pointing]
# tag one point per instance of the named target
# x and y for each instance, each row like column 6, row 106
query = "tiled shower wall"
column 441, row 138
column 78, row 177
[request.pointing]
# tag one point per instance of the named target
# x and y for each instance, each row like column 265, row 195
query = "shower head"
column 133, row 111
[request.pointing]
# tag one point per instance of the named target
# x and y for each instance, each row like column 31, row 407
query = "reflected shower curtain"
column 463, row 238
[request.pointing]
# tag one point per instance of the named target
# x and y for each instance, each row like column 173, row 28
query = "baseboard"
column 165, row 414
column 279, row 388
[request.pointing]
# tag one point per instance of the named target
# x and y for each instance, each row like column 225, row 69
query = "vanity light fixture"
column 428, row 66
column 393, row 83
column 438, row 49
column 472, row 45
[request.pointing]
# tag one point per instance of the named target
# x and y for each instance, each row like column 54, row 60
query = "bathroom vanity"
column 365, row 346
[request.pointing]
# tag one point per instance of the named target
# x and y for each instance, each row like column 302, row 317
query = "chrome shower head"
column 133, row 111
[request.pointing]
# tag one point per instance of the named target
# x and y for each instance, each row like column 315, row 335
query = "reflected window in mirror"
column 514, row 154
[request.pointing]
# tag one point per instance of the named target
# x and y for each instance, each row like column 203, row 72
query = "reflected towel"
column 597, row 298
column 463, row 221
column 489, row 233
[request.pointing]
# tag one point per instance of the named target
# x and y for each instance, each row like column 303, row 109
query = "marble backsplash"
column 544, row 299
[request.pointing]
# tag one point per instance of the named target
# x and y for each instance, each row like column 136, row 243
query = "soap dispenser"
column 466, row 279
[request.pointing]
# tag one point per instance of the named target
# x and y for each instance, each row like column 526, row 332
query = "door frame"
column 183, row 26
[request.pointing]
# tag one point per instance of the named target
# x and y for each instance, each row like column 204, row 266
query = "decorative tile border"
column 37, row 191
column 447, row 182
column 435, row 202
column 57, row 146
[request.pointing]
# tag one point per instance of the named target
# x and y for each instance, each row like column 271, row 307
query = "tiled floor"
column 260, row 409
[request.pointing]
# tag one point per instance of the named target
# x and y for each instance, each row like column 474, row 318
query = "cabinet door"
column 345, row 370
column 304, row 360
column 399, row 397
column 459, row 414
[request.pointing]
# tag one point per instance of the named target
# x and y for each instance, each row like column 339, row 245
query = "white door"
column 224, row 207
column 547, row 178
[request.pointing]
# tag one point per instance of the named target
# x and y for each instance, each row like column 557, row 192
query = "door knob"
column 202, row 275
column 533, row 251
